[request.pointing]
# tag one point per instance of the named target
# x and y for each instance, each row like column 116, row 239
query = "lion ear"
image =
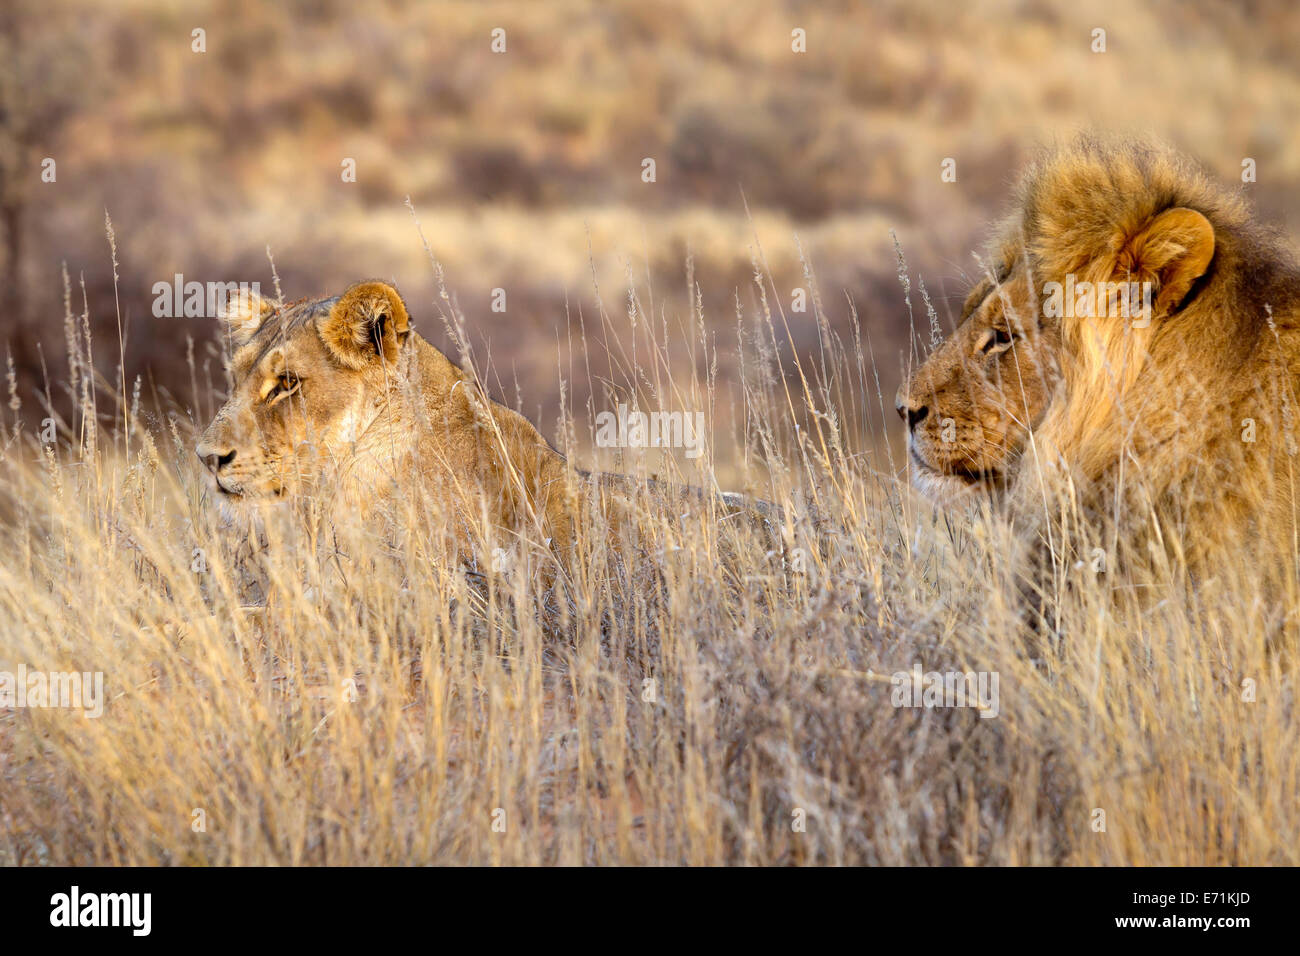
column 369, row 322
column 1174, row 249
column 244, row 314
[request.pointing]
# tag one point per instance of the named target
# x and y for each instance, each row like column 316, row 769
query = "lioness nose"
column 214, row 461
column 914, row 414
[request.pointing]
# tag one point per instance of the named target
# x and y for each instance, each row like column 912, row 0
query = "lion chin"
column 948, row 490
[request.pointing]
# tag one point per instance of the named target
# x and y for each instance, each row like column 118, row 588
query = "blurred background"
column 525, row 167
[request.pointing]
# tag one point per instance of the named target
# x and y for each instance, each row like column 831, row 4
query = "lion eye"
column 998, row 341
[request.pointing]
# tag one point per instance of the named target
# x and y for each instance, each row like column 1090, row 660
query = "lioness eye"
column 285, row 385
column 999, row 339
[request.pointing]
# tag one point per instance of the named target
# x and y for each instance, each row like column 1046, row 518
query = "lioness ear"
column 367, row 323
column 1174, row 249
column 244, row 314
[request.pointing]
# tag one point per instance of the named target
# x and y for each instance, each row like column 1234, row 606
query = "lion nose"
column 914, row 414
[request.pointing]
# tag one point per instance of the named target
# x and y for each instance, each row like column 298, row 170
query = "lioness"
column 342, row 391
column 342, row 394
column 972, row 404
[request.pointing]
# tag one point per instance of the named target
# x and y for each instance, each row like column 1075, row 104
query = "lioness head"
column 971, row 405
column 309, row 381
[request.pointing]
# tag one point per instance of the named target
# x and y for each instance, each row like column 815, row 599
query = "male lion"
column 340, row 395
column 1175, row 421
column 972, row 404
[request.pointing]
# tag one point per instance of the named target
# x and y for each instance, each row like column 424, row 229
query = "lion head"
column 311, row 383
column 1179, row 344
column 971, row 406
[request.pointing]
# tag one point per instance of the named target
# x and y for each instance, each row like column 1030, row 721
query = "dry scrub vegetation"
column 526, row 166
column 384, row 706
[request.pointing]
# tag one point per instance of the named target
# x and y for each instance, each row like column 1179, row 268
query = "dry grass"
column 514, row 160
column 385, row 704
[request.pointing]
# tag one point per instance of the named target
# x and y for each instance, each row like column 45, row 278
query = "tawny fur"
column 378, row 413
column 341, row 396
column 1149, row 428
column 983, row 389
